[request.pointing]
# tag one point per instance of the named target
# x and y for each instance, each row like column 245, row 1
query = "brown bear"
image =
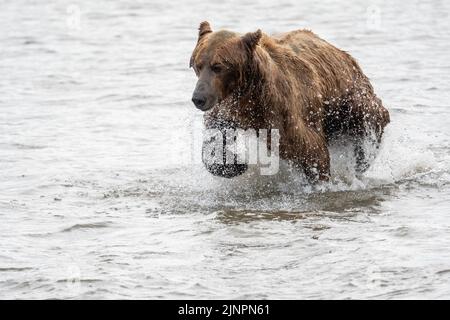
column 296, row 82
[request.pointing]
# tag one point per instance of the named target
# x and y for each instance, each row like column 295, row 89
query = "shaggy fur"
column 297, row 83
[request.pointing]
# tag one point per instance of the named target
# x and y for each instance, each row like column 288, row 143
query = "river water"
column 102, row 195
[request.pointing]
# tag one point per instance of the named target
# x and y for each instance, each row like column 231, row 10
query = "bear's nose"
column 199, row 102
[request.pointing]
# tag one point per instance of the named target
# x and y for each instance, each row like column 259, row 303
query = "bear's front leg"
column 308, row 150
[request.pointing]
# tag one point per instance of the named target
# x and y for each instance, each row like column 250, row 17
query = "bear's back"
column 332, row 65
column 300, row 40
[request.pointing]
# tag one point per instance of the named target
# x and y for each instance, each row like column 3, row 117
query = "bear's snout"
column 199, row 102
column 204, row 96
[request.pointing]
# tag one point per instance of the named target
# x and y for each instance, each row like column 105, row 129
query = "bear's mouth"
column 210, row 104
column 215, row 104
column 220, row 102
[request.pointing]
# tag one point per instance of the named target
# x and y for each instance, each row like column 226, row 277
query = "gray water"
column 101, row 197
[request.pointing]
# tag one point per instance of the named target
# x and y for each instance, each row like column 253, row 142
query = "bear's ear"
column 203, row 29
column 251, row 40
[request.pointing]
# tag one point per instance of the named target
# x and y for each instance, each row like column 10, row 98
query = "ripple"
column 83, row 226
column 27, row 146
column 15, row 269
column 91, row 119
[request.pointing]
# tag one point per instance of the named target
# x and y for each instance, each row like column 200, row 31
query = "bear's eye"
column 216, row 68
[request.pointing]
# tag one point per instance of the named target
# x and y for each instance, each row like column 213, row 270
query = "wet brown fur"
column 297, row 83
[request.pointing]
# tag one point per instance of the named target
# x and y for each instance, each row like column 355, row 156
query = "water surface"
column 99, row 197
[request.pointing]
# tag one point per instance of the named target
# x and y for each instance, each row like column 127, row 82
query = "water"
column 98, row 198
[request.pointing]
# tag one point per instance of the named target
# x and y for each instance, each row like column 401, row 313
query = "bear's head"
column 222, row 61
